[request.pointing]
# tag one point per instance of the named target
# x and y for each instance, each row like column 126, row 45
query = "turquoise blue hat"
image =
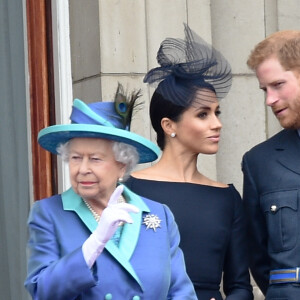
column 98, row 120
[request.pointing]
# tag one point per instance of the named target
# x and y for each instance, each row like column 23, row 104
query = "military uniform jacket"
column 271, row 197
column 147, row 264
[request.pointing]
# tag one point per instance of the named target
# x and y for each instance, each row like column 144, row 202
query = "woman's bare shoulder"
column 207, row 181
column 152, row 173
column 146, row 173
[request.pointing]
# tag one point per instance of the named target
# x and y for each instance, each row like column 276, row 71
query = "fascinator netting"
column 187, row 66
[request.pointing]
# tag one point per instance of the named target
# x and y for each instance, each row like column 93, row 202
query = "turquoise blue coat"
column 146, row 264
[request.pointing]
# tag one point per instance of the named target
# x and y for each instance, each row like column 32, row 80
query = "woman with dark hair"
column 184, row 112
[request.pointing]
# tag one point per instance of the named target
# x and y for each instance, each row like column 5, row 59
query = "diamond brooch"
column 152, row 221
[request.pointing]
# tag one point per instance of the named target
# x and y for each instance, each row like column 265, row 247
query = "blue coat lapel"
column 130, row 234
column 72, row 201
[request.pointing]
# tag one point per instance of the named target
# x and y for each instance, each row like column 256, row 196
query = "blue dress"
column 213, row 237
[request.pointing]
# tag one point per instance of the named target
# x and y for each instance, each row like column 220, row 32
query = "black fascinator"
column 187, row 66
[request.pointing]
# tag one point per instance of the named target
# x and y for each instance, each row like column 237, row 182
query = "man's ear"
column 168, row 126
column 297, row 74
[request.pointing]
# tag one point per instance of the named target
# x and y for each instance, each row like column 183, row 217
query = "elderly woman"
column 98, row 240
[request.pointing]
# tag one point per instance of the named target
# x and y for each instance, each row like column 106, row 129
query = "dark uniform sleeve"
column 256, row 229
column 236, row 280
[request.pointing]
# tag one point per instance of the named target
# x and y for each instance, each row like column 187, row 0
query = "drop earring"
column 173, row 134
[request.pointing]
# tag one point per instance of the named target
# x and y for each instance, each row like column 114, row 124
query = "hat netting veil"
column 187, row 66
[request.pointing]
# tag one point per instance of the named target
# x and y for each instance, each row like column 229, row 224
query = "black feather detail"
column 124, row 104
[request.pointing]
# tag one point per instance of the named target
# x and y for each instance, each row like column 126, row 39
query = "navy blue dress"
column 212, row 229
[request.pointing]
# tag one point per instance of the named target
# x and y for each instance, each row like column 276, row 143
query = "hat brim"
column 49, row 138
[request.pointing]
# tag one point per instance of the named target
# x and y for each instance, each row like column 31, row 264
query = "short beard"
column 294, row 123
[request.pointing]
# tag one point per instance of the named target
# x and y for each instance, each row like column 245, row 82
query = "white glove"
column 111, row 216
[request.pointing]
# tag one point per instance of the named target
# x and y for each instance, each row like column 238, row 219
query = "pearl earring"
column 173, row 134
column 120, row 179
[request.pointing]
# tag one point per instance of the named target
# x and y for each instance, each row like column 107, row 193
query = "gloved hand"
column 111, row 216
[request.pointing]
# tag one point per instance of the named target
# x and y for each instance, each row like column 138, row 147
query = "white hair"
column 63, row 151
column 123, row 153
column 127, row 155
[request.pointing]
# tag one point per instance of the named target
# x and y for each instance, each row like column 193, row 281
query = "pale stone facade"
column 116, row 41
